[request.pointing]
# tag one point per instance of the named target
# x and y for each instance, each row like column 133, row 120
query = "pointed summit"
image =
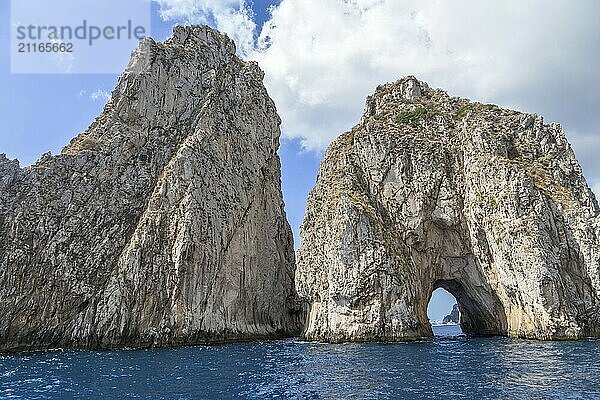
column 162, row 224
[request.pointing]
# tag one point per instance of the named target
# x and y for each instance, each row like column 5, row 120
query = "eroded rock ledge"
column 432, row 191
column 163, row 224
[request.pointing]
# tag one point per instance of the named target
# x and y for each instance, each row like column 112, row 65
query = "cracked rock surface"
column 163, row 224
column 432, row 191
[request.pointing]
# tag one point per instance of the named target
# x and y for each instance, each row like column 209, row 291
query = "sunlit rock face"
column 163, row 224
column 432, row 191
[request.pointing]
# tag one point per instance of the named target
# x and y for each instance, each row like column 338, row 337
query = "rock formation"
column 163, row 224
column 432, row 191
column 453, row 317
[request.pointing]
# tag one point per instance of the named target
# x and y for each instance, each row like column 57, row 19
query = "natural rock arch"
column 429, row 190
column 477, row 316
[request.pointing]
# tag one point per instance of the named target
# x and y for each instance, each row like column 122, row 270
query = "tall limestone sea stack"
column 163, row 224
column 432, row 191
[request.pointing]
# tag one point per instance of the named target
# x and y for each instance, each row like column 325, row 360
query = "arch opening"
column 444, row 314
column 479, row 311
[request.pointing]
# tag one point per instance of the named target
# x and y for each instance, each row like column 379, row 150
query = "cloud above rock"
column 233, row 17
column 323, row 57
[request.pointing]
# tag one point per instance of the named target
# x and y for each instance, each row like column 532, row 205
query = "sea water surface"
column 451, row 366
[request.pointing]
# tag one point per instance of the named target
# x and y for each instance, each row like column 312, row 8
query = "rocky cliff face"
column 432, row 191
column 163, row 223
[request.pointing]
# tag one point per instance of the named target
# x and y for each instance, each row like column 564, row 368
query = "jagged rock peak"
column 432, row 191
column 192, row 63
column 201, row 35
column 406, row 89
column 4, row 160
column 201, row 39
column 163, row 223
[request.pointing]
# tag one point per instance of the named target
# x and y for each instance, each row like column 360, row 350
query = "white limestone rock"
column 432, row 191
column 163, row 224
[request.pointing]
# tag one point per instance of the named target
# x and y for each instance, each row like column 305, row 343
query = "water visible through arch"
column 441, row 314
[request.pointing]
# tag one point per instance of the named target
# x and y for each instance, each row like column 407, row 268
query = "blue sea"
column 451, row 366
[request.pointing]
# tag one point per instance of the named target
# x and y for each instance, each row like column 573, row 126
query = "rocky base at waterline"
column 162, row 224
column 432, row 191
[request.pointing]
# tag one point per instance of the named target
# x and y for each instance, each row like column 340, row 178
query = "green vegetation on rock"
column 463, row 111
column 412, row 117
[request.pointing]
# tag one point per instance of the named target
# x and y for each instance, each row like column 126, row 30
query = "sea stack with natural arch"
column 433, row 191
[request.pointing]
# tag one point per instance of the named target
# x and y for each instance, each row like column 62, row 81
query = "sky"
column 323, row 57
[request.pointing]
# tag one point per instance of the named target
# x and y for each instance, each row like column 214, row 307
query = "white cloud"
column 233, row 17
column 323, row 57
column 100, row 95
